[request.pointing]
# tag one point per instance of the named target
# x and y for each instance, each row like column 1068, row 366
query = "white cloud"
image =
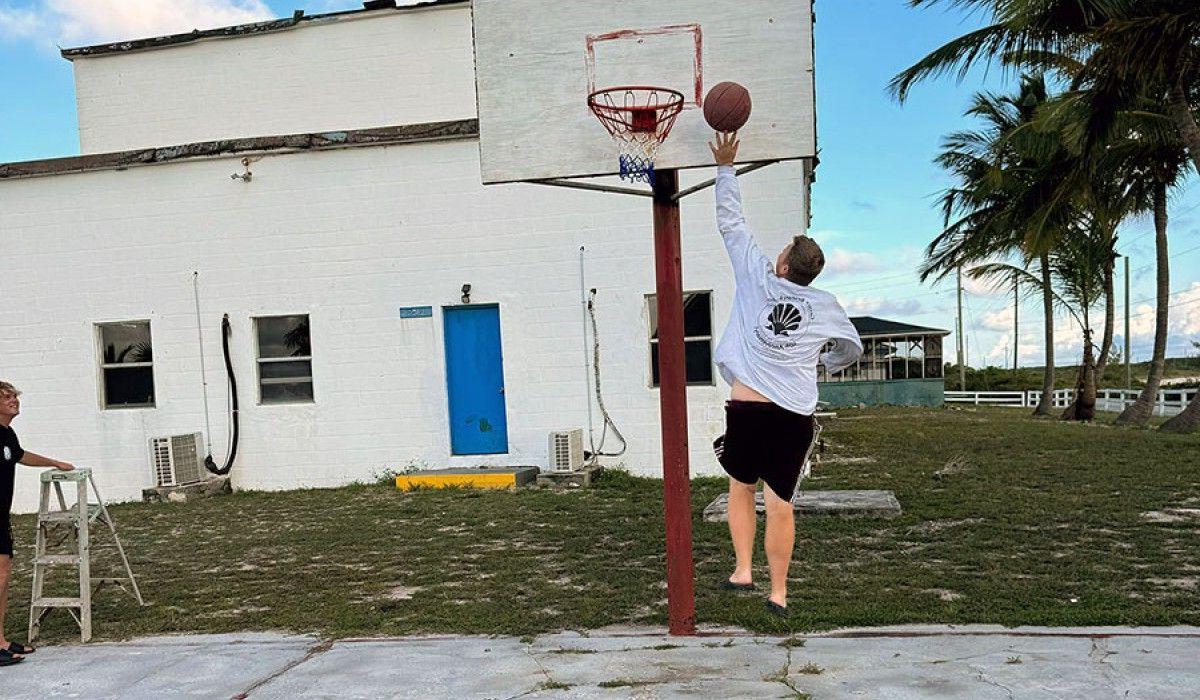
column 73, row 22
column 842, row 261
column 901, row 308
column 17, row 23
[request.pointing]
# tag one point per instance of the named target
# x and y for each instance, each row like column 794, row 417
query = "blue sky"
column 873, row 203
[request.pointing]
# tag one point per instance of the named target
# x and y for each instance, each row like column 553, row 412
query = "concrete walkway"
column 897, row 662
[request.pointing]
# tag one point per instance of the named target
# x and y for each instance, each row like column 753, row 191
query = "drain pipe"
column 587, row 373
column 203, row 372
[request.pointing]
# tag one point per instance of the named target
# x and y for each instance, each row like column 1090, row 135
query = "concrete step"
column 844, row 504
column 481, row 478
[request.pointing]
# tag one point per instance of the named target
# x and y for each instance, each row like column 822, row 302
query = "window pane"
column 296, row 392
column 697, row 314
column 697, row 360
column 933, row 368
column 898, row 364
column 125, row 342
column 933, row 345
column 283, row 336
column 129, row 386
column 698, row 356
column 300, row 369
column 696, row 317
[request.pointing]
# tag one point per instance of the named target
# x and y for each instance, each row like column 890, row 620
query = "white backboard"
column 537, row 61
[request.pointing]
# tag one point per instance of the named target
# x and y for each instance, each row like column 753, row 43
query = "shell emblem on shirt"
column 781, row 325
column 7, row 454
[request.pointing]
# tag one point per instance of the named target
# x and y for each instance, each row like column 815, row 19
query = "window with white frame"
column 126, row 364
column 284, row 359
column 697, row 337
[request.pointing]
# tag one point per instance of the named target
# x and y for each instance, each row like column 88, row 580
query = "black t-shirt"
column 10, row 452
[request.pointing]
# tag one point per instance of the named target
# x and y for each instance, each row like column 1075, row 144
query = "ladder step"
column 70, row 516
column 59, row 516
column 57, row 559
column 57, row 603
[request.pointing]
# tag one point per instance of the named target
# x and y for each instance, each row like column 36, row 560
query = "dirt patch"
column 1172, row 515
column 402, row 592
column 957, row 465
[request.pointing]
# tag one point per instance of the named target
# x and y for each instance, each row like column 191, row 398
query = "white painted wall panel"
column 366, row 70
column 347, row 236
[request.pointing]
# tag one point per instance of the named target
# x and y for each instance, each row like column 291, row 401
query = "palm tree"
column 1131, row 42
column 1128, row 44
column 1000, row 183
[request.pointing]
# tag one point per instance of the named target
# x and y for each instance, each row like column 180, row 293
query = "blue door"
column 475, row 380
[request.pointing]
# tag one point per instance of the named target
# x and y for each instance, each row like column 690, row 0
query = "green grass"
column 1034, row 522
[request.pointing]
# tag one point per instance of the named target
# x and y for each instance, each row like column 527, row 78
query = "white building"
column 325, row 169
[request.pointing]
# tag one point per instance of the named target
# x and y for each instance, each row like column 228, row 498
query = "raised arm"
column 739, row 242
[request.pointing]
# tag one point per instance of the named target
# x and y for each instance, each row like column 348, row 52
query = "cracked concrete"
column 896, row 662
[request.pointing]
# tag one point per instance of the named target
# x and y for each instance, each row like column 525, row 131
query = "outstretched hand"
column 725, row 150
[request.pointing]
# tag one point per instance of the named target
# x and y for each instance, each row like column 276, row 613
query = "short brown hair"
column 8, row 389
column 804, row 260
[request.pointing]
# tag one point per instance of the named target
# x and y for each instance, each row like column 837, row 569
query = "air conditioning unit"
column 177, row 459
column 566, row 450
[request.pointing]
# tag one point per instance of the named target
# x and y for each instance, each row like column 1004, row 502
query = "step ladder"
column 71, row 525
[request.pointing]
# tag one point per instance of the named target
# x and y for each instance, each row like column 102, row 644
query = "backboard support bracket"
column 559, row 182
column 709, row 183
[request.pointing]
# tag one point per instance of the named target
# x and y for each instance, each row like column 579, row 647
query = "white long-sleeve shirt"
column 777, row 328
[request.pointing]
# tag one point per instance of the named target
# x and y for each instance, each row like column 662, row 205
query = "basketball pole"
column 668, row 264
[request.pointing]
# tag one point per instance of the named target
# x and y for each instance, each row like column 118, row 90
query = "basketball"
column 727, row 106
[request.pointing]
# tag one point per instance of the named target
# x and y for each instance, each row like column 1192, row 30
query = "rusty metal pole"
column 668, row 265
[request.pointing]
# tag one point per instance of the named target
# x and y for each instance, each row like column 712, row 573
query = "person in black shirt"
column 11, row 454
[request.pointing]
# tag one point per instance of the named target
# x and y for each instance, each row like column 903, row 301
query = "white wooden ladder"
column 76, row 520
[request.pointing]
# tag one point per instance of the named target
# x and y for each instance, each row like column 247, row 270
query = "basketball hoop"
column 639, row 119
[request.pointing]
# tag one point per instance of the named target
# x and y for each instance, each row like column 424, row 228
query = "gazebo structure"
column 901, row 365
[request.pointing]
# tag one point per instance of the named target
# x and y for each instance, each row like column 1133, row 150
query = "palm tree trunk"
column 1047, row 401
column 1110, row 312
column 1110, row 318
column 1180, row 110
column 1187, row 421
column 1138, row 413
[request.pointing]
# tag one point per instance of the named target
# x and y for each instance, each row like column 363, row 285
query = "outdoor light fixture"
column 466, row 293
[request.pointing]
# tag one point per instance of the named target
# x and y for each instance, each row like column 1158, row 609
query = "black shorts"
column 765, row 441
column 6, row 539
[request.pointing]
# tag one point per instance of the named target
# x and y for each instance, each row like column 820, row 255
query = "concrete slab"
column 917, row 661
column 459, row 667
column 842, row 504
column 201, row 666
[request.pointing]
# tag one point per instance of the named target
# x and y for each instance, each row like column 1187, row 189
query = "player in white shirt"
column 780, row 329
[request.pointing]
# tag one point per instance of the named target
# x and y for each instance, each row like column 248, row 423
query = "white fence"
column 1169, row 403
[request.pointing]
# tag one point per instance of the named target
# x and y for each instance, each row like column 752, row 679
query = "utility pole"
column 1016, row 322
column 1128, row 343
column 962, row 368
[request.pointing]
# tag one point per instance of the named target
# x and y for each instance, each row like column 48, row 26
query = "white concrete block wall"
column 363, row 70
column 347, row 236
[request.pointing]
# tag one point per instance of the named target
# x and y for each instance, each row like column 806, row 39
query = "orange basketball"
column 727, row 106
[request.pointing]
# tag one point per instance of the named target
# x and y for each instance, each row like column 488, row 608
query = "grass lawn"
column 1006, row 520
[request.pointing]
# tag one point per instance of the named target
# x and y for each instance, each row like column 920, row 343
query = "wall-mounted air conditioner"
column 177, row 459
column 566, row 450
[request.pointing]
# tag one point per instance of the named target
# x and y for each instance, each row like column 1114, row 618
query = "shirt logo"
column 7, row 454
column 781, row 326
column 784, row 319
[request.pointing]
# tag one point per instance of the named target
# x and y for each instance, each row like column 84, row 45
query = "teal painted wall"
column 901, row 392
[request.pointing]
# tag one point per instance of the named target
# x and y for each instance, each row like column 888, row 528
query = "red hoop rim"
column 630, row 116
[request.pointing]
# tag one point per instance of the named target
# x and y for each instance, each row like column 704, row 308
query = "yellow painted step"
column 505, row 478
